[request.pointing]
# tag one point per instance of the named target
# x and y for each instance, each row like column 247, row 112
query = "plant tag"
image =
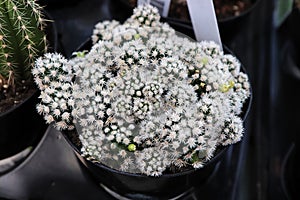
column 162, row 5
column 204, row 20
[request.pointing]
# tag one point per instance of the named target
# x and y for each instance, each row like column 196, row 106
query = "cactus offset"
column 22, row 39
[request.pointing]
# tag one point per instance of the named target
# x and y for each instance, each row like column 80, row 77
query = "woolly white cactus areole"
column 145, row 98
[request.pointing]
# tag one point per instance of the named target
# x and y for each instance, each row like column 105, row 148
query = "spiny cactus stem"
column 22, row 38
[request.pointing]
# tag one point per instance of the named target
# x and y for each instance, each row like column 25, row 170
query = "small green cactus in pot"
column 22, row 39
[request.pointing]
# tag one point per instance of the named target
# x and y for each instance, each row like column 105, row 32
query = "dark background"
column 262, row 166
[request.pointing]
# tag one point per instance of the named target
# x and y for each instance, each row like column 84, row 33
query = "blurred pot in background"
column 232, row 15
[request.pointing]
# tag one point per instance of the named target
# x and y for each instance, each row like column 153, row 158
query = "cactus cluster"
column 22, row 40
column 145, row 98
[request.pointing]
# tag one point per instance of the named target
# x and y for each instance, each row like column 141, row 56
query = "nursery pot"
column 21, row 125
column 231, row 26
column 140, row 186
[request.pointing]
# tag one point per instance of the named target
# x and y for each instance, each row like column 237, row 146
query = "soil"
column 223, row 8
column 9, row 99
column 231, row 8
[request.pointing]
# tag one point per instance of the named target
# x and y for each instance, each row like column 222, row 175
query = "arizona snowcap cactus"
column 22, row 40
column 145, row 98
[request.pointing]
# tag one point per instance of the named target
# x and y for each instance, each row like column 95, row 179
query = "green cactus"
column 22, row 39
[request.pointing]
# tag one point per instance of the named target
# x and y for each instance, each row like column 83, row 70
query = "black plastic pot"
column 21, row 125
column 231, row 26
column 139, row 186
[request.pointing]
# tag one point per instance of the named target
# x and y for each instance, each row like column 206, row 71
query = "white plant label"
column 204, row 20
column 162, row 5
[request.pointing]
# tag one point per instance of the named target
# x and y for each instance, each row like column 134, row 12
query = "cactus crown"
column 22, row 39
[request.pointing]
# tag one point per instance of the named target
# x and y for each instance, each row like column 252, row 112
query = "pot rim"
column 12, row 108
column 28, row 157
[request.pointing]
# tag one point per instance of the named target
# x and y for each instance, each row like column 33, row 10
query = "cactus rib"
column 22, row 38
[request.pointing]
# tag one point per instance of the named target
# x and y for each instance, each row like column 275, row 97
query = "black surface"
column 257, row 168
